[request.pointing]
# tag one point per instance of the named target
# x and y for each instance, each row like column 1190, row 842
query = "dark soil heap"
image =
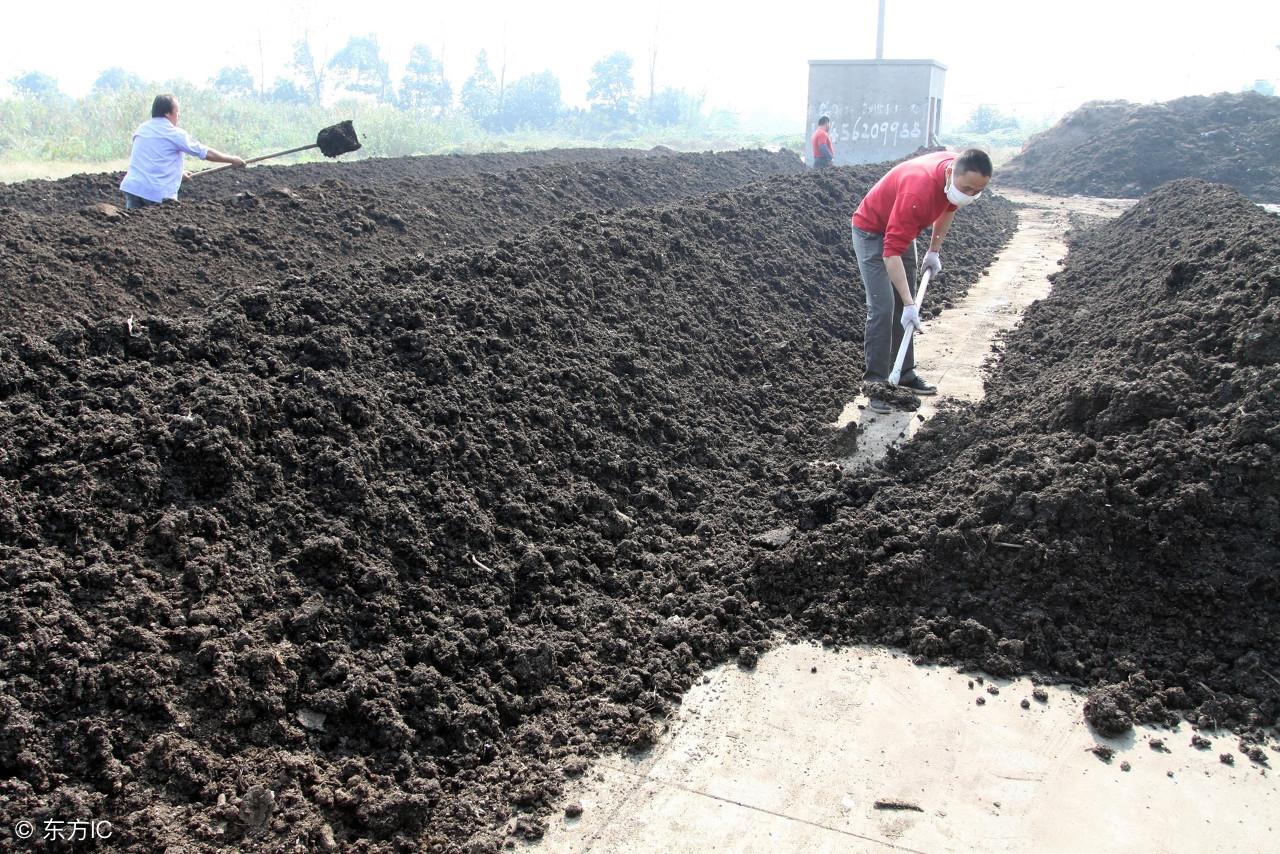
column 1122, row 150
column 372, row 556
column 68, row 195
column 1110, row 514
column 177, row 259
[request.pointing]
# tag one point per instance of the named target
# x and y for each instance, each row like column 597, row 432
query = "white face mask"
column 956, row 197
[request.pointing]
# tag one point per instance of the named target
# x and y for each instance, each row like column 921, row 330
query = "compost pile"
column 1122, row 150
column 178, row 259
column 370, row 555
column 1110, row 514
column 68, row 195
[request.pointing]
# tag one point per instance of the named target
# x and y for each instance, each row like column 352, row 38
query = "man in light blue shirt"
column 155, row 165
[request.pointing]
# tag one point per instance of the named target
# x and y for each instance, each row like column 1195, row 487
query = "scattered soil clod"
column 774, row 539
column 897, row 804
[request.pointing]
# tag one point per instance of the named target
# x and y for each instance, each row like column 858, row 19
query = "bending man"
column 918, row 193
column 155, row 164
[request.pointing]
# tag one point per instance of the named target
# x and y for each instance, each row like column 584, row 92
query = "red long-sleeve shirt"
column 906, row 201
column 821, row 138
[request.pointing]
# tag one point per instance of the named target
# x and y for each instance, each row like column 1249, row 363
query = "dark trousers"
column 131, row 201
column 822, row 161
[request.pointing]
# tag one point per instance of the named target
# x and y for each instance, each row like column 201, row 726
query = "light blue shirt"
column 155, row 166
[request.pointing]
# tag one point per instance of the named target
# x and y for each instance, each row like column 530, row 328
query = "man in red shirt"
column 918, row 193
column 823, row 151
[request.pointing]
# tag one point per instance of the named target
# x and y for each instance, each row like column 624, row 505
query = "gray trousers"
column 132, row 202
column 884, row 331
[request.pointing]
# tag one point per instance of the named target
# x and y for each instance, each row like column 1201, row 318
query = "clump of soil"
column 1110, row 514
column 338, row 139
column 892, row 395
column 372, row 554
column 1122, row 150
column 1109, row 710
column 897, row 804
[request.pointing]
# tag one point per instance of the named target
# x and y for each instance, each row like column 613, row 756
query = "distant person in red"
column 918, row 193
column 823, row 151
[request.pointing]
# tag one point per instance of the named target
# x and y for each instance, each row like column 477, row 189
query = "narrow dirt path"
column 860, row 750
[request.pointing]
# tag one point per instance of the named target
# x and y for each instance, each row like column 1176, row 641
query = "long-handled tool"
column 909, row 333
column 332, row 141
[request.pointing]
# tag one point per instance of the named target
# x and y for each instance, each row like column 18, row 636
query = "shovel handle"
column 257, row 159
column 896, row 374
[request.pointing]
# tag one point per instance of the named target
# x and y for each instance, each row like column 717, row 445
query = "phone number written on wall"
column 886, row 123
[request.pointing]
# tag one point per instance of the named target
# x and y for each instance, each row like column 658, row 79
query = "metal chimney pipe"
column 880, row 33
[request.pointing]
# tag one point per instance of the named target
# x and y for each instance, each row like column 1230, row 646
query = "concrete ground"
column 871, row 753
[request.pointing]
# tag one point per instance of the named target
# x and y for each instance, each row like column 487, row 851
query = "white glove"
column 932, row 263
column 911, row 317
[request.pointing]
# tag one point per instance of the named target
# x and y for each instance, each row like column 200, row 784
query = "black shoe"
column 880, row 406
column 918, row 385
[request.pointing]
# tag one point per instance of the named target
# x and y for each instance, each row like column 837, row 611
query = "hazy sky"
column 1037, row 57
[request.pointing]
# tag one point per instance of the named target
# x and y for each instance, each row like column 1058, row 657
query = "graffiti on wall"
column 875, row 122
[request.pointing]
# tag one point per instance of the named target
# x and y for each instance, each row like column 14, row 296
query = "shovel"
column 896, row 373
column 332, row 141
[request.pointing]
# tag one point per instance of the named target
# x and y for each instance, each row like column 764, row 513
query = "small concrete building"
column 880, row 109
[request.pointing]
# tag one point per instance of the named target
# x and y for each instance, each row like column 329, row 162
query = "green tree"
column 118, row 80
column 480, row 92
column 533, row 101
column 286, row 91
column 312, row 72
column 236, row 81
column 672, row 107
column 424, row 86
column 986, row 118
column 34, row 84
column 610, row 89
column 360, row 68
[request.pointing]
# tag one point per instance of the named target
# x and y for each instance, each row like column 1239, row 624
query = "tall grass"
column 99, row 128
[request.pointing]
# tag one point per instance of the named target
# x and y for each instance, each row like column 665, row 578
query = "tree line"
column 359, row 69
